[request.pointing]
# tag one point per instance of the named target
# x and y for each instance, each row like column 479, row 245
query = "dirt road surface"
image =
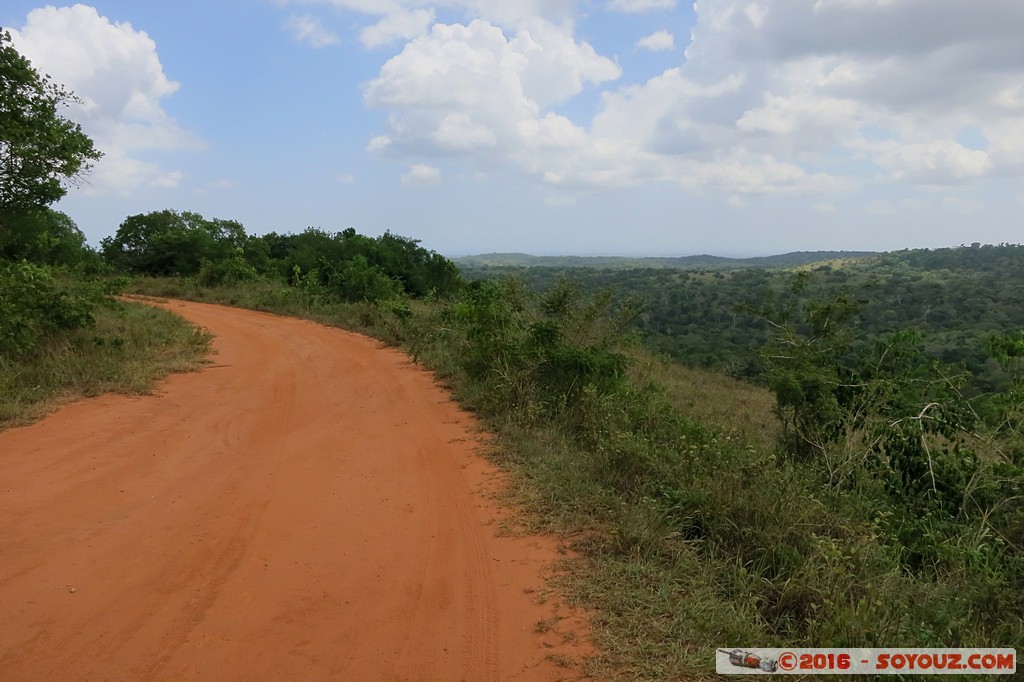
column 309, row 507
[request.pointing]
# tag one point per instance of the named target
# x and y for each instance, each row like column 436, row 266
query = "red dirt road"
column 309, row 507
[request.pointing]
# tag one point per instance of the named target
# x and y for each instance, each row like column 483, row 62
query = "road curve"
column 310, row 506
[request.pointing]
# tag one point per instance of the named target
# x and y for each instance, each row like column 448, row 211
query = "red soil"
column 311, row 506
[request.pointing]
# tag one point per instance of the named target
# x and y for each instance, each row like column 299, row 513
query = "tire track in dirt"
column 311, row 506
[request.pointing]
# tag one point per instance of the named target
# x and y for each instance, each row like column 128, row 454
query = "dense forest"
column 955, row 298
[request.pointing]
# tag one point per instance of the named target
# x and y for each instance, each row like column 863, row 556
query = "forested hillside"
column 956, row 298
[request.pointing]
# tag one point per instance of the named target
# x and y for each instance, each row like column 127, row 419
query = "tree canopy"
column 44, row 236
column 343, row 265
column 171, row 243
column 40, row 150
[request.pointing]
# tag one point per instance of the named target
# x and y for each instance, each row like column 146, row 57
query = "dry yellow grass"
column 737, row 408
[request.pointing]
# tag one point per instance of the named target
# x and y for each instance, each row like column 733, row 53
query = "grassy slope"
column 130, row 348
column 690, row 534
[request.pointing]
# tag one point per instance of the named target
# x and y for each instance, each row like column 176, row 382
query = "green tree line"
column 955, row 298
column 343, row 265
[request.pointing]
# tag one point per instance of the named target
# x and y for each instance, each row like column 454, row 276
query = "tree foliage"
column 45, row 236
column 40, row 150
column 804, row 366
column 543, row 355
column 171, row 243
column 356, row 267
column 345, row 266
column 888, row 416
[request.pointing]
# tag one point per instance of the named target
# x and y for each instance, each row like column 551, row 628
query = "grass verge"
column 129, row 349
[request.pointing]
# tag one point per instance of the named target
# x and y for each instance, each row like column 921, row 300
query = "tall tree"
column 40, row 150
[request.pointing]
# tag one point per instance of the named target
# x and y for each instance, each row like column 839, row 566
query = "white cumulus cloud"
column 659, row 41
column 809, row 95
column 802, row 96
column 457, row 132
column 936, row 162
column 398, row 25
column 471, row 90
column 116, row 72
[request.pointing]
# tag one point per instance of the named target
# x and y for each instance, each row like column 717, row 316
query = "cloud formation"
column 309, row 30
column 658, row 41
column 506, row 13
column 421, row 175
column 891, row 82
column 116, row 72
column 804, row 96
column 469, row 90
column 639, row 6
column 397, row 25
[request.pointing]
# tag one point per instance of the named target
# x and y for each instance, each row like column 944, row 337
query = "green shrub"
column 35, row 304
column 231, row 270
column 357, row 280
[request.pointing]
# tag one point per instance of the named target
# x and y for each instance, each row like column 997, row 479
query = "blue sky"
column 734, row 127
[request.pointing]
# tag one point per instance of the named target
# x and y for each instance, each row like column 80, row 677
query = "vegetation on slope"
column 954, row 298
column 698, row 522
column 127, row 349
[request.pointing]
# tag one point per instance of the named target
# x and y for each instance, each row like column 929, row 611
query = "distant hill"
column 696, row 309
column 704, row 261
